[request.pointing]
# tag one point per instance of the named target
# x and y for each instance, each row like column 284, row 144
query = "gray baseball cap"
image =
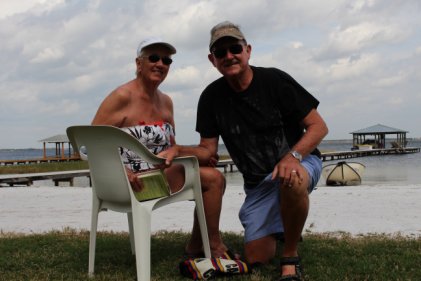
column 225, row 29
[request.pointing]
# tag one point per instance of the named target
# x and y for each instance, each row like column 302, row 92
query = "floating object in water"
column 343, row 173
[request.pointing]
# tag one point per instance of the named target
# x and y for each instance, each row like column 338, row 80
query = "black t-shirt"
column 258, row 125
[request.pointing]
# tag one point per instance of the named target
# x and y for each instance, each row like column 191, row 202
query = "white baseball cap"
column 154, row 41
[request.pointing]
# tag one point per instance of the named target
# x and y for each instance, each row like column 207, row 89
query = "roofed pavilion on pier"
column 376, row 136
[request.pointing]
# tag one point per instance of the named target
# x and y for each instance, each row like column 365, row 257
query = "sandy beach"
column 357, row 210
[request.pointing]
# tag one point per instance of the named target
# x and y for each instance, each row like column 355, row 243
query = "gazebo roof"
column 379, row 129
column 56, row 139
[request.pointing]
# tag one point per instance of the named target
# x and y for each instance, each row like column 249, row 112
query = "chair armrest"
column 191, row 169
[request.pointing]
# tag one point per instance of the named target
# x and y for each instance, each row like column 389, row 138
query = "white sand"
column 356, row 210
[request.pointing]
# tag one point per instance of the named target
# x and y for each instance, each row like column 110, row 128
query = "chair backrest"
column 102, row 146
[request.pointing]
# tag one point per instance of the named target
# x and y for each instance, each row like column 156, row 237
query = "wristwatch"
column 297, row 155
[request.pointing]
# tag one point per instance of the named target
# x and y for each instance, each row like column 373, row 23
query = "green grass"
column 64, row 256
column 44, row 167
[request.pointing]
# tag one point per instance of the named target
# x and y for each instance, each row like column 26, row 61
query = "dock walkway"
column 37, row 160
column 226, row 163
column 337, row 155
column 28, row 179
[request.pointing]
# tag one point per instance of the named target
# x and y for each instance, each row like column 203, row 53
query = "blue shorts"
column 260, row 213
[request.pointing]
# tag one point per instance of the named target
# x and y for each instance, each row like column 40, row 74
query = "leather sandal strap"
column 290, row 261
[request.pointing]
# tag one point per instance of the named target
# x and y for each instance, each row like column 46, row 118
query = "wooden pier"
column 37, row 160
column 228, row 164
column 56, row 177
column 337, row 155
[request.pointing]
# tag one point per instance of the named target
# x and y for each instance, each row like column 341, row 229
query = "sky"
column 59, row 59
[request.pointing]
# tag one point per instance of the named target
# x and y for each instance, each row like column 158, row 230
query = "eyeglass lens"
column 233, row 49
column 155, row 58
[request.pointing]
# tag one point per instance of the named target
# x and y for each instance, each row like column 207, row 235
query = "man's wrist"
column 296, row 155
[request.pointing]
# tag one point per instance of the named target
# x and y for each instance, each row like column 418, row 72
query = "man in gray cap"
column 271, row 128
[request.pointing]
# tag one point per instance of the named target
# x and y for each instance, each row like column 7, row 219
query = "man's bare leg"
column 294, row 210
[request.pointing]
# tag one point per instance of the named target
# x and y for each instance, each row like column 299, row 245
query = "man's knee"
column 260, row 250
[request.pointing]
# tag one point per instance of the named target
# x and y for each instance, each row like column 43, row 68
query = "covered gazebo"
column 60, row 142
column 376, row 136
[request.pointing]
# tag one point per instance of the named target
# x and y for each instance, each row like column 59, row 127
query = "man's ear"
column 248, row 49
column 137, row 65
column 211, row 58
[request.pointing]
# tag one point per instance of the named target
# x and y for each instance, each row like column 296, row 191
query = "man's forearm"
column 203, row 154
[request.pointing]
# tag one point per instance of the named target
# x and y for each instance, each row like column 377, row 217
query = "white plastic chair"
column 111, row 189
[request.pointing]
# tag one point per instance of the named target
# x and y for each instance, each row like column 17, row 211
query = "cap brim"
column 223, row 36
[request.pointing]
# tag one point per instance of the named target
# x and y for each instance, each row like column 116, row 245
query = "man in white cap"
column 144, row 111
column 271, row 128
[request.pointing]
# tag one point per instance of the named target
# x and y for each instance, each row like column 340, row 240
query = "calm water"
column 380, row 170
column 400, row 169
column 30, row 153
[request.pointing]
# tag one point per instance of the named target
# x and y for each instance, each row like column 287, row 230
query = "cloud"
column 349, row 67
column 48, row 55
column 360, row 38
column 59, row 59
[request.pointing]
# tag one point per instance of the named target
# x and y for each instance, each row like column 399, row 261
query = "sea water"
column 399, row 169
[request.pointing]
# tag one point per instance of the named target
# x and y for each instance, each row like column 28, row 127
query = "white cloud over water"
column 59, row 59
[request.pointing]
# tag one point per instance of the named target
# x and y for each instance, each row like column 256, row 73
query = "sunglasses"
column 235, row 49
column 155, row 58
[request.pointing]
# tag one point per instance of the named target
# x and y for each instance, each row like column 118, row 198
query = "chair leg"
column 96, row 205
column 201, row 217
column 131, row 232
column 142, row 228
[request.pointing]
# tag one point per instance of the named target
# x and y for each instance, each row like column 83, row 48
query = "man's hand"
column 213, row 161
column 169, row 156
column 289, row 171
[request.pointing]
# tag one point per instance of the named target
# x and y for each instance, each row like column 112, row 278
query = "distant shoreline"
column 326, row 141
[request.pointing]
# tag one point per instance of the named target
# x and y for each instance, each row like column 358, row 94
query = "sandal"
column 230, row 255
column 298, row 269
column 208, row 268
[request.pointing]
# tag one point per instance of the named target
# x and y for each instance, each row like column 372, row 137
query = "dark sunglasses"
column 155, row 58
column 235, row 49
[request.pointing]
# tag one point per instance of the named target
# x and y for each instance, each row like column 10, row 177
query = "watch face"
column 296, row 155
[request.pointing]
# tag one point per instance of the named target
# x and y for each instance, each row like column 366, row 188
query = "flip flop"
column 230, row 255
column 208, row 268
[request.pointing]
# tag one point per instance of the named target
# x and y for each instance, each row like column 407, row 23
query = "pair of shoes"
column 298, row 269
column 208, row 268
